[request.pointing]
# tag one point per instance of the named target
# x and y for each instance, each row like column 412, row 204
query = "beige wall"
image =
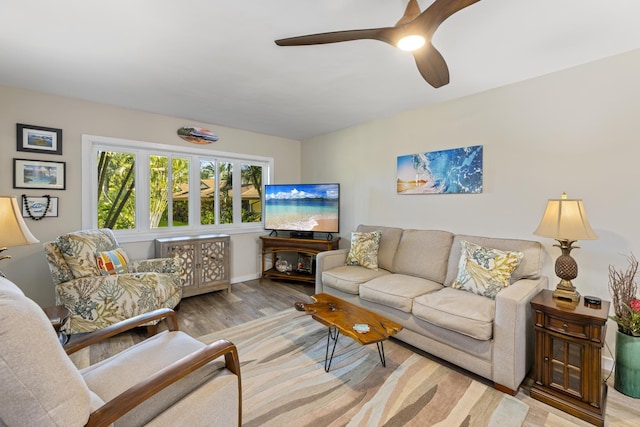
column 576, row 131
column 28, row 267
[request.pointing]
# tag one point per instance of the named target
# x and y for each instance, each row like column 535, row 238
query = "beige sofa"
column 412, row 286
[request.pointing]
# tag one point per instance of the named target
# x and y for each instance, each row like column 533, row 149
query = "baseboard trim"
column 245, row 278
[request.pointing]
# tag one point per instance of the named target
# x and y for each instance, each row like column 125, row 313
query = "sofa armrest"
column 326, row 261
column 513, row 332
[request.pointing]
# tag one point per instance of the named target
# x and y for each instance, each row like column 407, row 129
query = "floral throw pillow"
column 485, row 271
column 364, row 249
column 112, row 262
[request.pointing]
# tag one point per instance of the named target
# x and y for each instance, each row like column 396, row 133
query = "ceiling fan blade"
column 429, row 20
column 430, row 62
column 431, row 65
column 334, row 37
column 411, row 12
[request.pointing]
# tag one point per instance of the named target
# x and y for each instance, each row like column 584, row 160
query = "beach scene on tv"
column 303, row 207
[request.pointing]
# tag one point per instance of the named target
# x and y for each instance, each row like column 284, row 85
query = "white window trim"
column 90, row 147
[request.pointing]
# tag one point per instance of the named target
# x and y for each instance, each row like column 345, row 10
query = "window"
column 116, row 190
column 168, row 208
column 251, row 192
column 134, row 186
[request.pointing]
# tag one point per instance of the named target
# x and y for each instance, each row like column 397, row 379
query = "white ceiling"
column 215, row 61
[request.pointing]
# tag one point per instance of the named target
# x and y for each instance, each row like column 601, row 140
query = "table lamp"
column 13, row 230
column 566, row 221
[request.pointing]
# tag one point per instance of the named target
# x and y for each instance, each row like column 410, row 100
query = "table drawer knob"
column 565, row 326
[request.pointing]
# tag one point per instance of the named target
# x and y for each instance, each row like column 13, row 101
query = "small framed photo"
column 304, row 263
column 38, row 139
column 39, row 174
column 34, row 207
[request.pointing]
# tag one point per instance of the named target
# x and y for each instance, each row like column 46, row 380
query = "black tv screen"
column 302, row 207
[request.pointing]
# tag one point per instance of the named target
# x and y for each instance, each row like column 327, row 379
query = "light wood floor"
column 203, row 314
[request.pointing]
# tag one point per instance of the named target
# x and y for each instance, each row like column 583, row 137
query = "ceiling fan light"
column 411, row 42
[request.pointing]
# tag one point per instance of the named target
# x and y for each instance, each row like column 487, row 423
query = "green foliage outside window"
column 252, row 208
column 116, row 190
column 117, row 196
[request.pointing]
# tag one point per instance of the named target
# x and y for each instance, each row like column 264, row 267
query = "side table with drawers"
column 569, row 337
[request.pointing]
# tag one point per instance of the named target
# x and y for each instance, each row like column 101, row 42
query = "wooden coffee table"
column 341, row 316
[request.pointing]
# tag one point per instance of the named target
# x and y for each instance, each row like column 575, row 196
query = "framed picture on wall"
column 38, row 139
column 39, row 174
column 452, row 171
column 37, row 207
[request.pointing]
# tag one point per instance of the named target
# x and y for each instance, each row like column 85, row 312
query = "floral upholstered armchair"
column 97, row 282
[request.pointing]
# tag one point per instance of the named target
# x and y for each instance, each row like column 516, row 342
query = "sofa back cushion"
column 423, row 253
column 388, row 243
column 529, row 268
column 40, row 384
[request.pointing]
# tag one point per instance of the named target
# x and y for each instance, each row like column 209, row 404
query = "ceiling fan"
column 412, row 32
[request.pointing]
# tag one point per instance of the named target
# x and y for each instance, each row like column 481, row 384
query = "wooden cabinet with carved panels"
column 205, row 261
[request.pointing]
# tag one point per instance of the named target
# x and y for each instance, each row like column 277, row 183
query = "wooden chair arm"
column 125, row 325
column 142, row 391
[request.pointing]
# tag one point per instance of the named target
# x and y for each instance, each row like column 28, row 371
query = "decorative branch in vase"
column 626, row 305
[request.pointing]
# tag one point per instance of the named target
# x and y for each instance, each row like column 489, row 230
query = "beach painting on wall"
column 453, row 171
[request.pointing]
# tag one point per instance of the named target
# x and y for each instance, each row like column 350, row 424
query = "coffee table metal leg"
column 380, row 346
column 332, row 335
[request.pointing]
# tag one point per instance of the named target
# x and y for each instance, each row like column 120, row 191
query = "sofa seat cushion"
column 348, row 278
column 458, row 311
column 397, row 290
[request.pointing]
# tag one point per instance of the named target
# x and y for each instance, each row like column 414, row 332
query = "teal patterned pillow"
column 485, row 271
column 364, row 249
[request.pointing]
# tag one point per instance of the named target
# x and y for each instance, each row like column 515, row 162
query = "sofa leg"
column 504, row 389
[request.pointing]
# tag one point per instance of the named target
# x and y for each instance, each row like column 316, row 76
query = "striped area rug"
column 284, row 382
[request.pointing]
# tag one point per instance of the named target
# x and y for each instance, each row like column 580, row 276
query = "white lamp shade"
column 13, row 230
column 565, row 219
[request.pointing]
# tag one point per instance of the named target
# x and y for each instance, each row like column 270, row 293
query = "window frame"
column 92, row 144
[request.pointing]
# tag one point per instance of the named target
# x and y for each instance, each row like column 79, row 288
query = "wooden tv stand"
column 272, row 246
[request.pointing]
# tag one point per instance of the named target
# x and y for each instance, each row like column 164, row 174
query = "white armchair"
column 170, row 379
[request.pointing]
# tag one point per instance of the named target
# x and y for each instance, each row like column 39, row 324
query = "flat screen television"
column 302, row 209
